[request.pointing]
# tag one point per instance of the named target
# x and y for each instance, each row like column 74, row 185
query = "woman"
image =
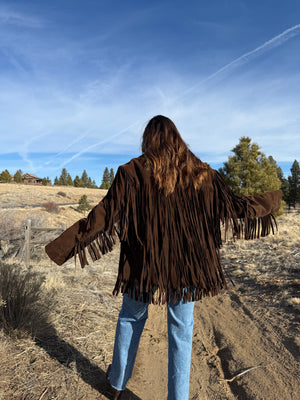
column 166, row 207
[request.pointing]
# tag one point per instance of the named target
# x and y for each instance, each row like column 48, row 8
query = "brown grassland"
column 253, row 327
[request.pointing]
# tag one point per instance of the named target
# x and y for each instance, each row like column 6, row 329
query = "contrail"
column 268, row 45
column 99, row 143
column 24, row 152
column 69, row 146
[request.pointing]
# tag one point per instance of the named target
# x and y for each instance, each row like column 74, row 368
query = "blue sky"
column 80, row 79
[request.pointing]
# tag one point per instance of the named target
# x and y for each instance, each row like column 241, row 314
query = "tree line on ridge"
column 248, row 171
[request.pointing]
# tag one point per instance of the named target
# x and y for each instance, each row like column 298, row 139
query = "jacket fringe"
column 96, row 246
column 235, row 213
column 170, row 244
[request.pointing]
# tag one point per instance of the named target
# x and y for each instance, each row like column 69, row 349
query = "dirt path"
column 228, row 339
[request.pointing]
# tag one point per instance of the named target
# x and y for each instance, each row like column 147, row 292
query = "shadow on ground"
column 90, row 373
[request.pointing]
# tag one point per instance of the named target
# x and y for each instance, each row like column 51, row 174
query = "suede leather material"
column 167, row 242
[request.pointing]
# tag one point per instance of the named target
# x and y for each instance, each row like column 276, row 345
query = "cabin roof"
column 30, row 176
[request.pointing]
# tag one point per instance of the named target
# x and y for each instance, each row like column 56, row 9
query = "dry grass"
column 266, row 274
column 9, row 226
column 54, row 282
column 70, row 360
column 294, row 301
column 20, row 195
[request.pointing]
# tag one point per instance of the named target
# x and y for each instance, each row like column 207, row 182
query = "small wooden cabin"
column 31, row 179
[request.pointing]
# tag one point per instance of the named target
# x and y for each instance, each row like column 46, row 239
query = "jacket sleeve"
column 95, row 232
column 248, row 216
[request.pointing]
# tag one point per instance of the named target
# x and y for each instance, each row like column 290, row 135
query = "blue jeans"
column 131, row 322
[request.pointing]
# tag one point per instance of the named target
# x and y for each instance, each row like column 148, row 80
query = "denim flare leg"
column 131, row 322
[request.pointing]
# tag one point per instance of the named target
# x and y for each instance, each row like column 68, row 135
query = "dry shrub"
column 9, row 227
column 51, row 207
column 62, row 194
column 24, row 305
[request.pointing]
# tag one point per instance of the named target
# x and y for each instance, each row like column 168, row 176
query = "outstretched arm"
column 81, row 234
column 250, row 216
column 94, row 233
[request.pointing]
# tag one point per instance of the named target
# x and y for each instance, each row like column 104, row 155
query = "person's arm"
column 251, row 216
column 95, row 232
column 81, row 234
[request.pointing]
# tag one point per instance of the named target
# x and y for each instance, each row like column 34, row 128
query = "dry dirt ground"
column 253, row 327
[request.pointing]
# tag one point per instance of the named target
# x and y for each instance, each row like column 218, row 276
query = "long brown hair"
column 168, row 156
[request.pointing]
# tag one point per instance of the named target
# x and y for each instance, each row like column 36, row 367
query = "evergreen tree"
column 280, row 174
column 284, row 184
column 5, row 176
column 44, row 182
column 69, row 180
column 89, row 183
column 56, row 181
column 63, row 179
column 77, row 181
column 249, row 171
column 18, row 176
column 85, row 178
column 83, row 204
column 105, row 179
column 48, row 181
column 294, row 184
column 111, row 176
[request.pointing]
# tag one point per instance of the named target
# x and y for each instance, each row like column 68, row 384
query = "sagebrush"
column 24, row 304
column 51, row 207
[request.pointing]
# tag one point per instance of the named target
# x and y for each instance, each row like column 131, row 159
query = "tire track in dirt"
column 238, row 340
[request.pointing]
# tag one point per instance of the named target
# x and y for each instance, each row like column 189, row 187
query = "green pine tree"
column 63, row 179
column 44, row 182
column 56, row 181
column 77, row 181
column 69, row 180
column 111, row 176
column 18, row 176
column 105, row 179
column 85, row 178
column 83, row 204
column 284, row 184
column 249, row 171
column 294, row 185
column 89, row 183
column 5, row 176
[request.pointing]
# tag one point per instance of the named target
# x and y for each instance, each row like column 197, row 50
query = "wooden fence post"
column 27, row 241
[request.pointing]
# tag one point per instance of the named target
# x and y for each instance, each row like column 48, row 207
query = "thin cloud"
column 10, row 17
column 69, row 146
column 245, row 58
column 95, row 82
column 101, row 142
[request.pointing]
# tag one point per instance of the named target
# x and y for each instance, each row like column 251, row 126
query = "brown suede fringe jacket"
column 169, row 244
